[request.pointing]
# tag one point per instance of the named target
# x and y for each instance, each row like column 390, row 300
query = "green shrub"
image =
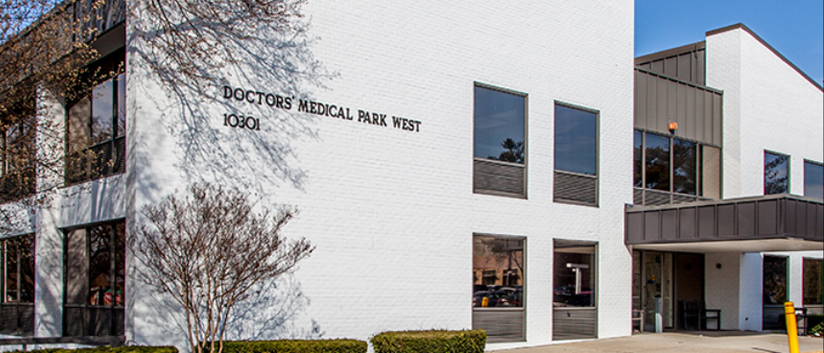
column 816, row 323
column 107, row 349
column 435, row 341
column 295, row 346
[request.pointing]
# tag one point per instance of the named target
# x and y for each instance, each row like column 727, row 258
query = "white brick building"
column 401, row 184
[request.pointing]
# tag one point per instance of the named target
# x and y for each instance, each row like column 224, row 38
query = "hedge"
column 434, row 341
column 107, row 349
column 295, row 346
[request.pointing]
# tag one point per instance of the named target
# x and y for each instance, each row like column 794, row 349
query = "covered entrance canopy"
column 754, row 224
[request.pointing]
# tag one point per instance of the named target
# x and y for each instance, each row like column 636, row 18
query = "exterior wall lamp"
column 673, row 127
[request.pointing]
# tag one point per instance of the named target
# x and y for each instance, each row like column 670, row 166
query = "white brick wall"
column 722, row 286
column 392, row 212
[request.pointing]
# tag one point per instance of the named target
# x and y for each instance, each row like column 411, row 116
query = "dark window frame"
column 483, row 317
column 88, row 310
column 764, row 171
column 811, row 162
column 95, row 160
column 597, row 162
column 495, row 162
column 19, row 309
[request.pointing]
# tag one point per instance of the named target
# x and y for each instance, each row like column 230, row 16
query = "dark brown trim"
column 671, row 52
column 763, row 42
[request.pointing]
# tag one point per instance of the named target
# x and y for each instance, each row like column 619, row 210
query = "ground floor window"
column 574, row 290
column 775, row 292
column 17, row 305
column 498, row 287
column 813, row 287
column 95, row 280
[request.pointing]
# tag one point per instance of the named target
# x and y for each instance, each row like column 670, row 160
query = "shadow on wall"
column 191, row 116
column 271, row 313
column 273, row 62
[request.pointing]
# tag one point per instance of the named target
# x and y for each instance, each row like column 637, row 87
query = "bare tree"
column 46, row 45
column 208, row 250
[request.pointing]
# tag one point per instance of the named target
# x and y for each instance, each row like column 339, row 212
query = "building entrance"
column 672, row 279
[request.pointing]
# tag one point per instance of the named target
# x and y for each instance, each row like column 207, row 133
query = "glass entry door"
column 657, row 284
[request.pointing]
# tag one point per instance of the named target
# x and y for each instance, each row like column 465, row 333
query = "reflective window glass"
column 813, row 180
column 574, row 275
column 775, row 280
column 776, row 172
column 657, row 162
column 498, row 272
column 638, row 162
column 576, row 140
column 813, row 276
column 684, row 166
column 499, row 125
column 102, row 112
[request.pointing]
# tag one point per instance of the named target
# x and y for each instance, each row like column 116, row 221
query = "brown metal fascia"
column 673, row 79
column 768, row 46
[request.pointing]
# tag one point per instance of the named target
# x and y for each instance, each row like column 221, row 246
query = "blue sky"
column 794, row 27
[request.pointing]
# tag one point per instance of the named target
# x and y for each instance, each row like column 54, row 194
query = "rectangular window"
column 775, row 291
column 657, row 162
column 670, row 170
column 574, row 290
column 498, row 290
column 95, row 280
column 638, row 159
column 17, row 304
column 17, row 152
column 96, row 126
column 776, row 173
column 814, row 180
column 499, row 142
column 813, row 286
column 684, row 167
column 576, row 155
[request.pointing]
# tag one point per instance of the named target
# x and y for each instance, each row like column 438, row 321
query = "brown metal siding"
column 660, row 100
column 684, row 63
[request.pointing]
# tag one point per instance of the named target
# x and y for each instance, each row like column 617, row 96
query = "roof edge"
column 770, row 47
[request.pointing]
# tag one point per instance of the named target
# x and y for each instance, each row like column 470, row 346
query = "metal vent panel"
column 576, row 188
column 496, row 177
column 577, row 323
column 500, row 325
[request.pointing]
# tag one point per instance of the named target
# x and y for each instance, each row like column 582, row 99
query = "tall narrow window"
column 500, row 143
column 814, row 180
column 657, row 162
column 17, row 304
column 638, row 159
column 684, row 167
column 775, row 291
column 498, row 291
column 776, row 173
column 813, row 286
column 574, row 290
column 17, row 152
column 97, row 127
column 576, row 155
column 95, row 280
column 710, row 172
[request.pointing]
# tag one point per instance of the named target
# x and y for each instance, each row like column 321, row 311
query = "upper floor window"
column 776, row 173
column 17, row 303
column 500, row 145
column 97, row 127
column 671, row 169
column 17, row 152
column 576, row 155
column 814, row 180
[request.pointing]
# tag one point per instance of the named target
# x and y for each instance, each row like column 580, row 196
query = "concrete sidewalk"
column 682, row 342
